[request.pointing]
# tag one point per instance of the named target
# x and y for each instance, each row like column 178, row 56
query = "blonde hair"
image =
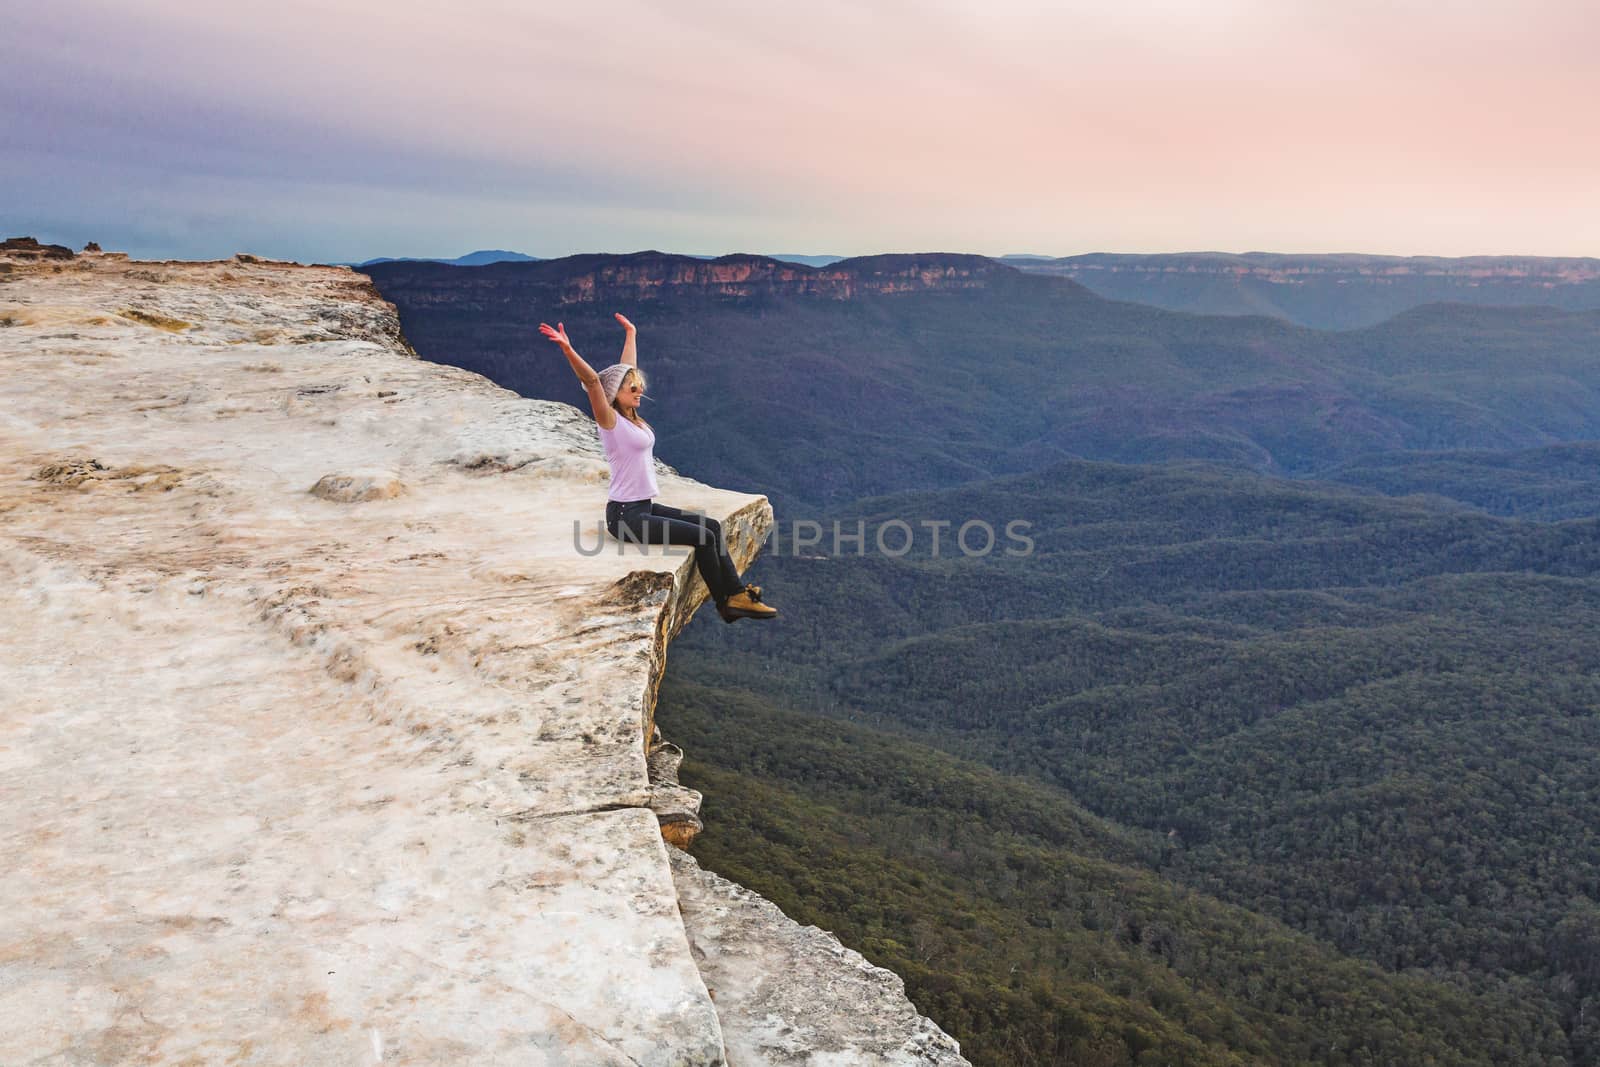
column 638, row 375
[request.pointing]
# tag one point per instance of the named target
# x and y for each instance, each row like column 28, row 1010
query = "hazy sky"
column 342, row 131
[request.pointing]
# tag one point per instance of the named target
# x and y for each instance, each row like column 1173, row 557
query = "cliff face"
column 647, row 276
column 324, row 740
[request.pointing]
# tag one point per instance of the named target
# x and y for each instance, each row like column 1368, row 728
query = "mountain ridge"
column 1339, row 291
column 652, row 275
column 482, row 257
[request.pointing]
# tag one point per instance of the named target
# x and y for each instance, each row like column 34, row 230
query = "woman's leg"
column 661, row 525
column 731, row 581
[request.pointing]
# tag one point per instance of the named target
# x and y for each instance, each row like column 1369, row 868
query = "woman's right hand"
column 556, row 333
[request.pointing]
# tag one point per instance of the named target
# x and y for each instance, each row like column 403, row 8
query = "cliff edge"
column 326, row 736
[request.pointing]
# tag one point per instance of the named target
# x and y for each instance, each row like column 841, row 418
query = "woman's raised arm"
column 604, row 413
column 630, row 348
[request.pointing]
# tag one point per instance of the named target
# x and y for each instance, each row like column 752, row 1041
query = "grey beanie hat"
column 611, row 379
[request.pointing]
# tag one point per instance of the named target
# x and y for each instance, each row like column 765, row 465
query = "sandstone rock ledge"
column 352, row 775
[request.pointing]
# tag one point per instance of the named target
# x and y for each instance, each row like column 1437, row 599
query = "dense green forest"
column 1372, row 722
column 1039, row 934
column 1279, row 744
column 1554, row 482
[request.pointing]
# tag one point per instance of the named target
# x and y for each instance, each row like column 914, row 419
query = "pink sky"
column 178, row 128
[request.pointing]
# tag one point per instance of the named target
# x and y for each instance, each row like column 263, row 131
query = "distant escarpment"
column 644, row 276
column 1334, row 291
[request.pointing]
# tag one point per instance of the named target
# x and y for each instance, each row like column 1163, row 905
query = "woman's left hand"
column 626, row 325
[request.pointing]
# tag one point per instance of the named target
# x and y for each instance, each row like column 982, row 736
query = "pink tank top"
column 630, row 451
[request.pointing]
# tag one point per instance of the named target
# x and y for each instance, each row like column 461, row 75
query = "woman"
column 631, row 512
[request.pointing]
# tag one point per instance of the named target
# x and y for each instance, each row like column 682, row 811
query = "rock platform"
column 324, row 732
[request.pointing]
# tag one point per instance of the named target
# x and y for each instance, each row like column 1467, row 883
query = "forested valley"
column 1286, row 772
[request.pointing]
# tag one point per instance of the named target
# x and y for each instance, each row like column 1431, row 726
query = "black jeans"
column 649, row 523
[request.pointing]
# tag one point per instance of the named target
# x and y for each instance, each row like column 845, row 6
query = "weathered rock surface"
column 30, row 248
column 336, row 776
column 791, row 994
column 358, row 486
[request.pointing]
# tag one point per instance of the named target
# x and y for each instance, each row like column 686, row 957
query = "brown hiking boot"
column 745, row 605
